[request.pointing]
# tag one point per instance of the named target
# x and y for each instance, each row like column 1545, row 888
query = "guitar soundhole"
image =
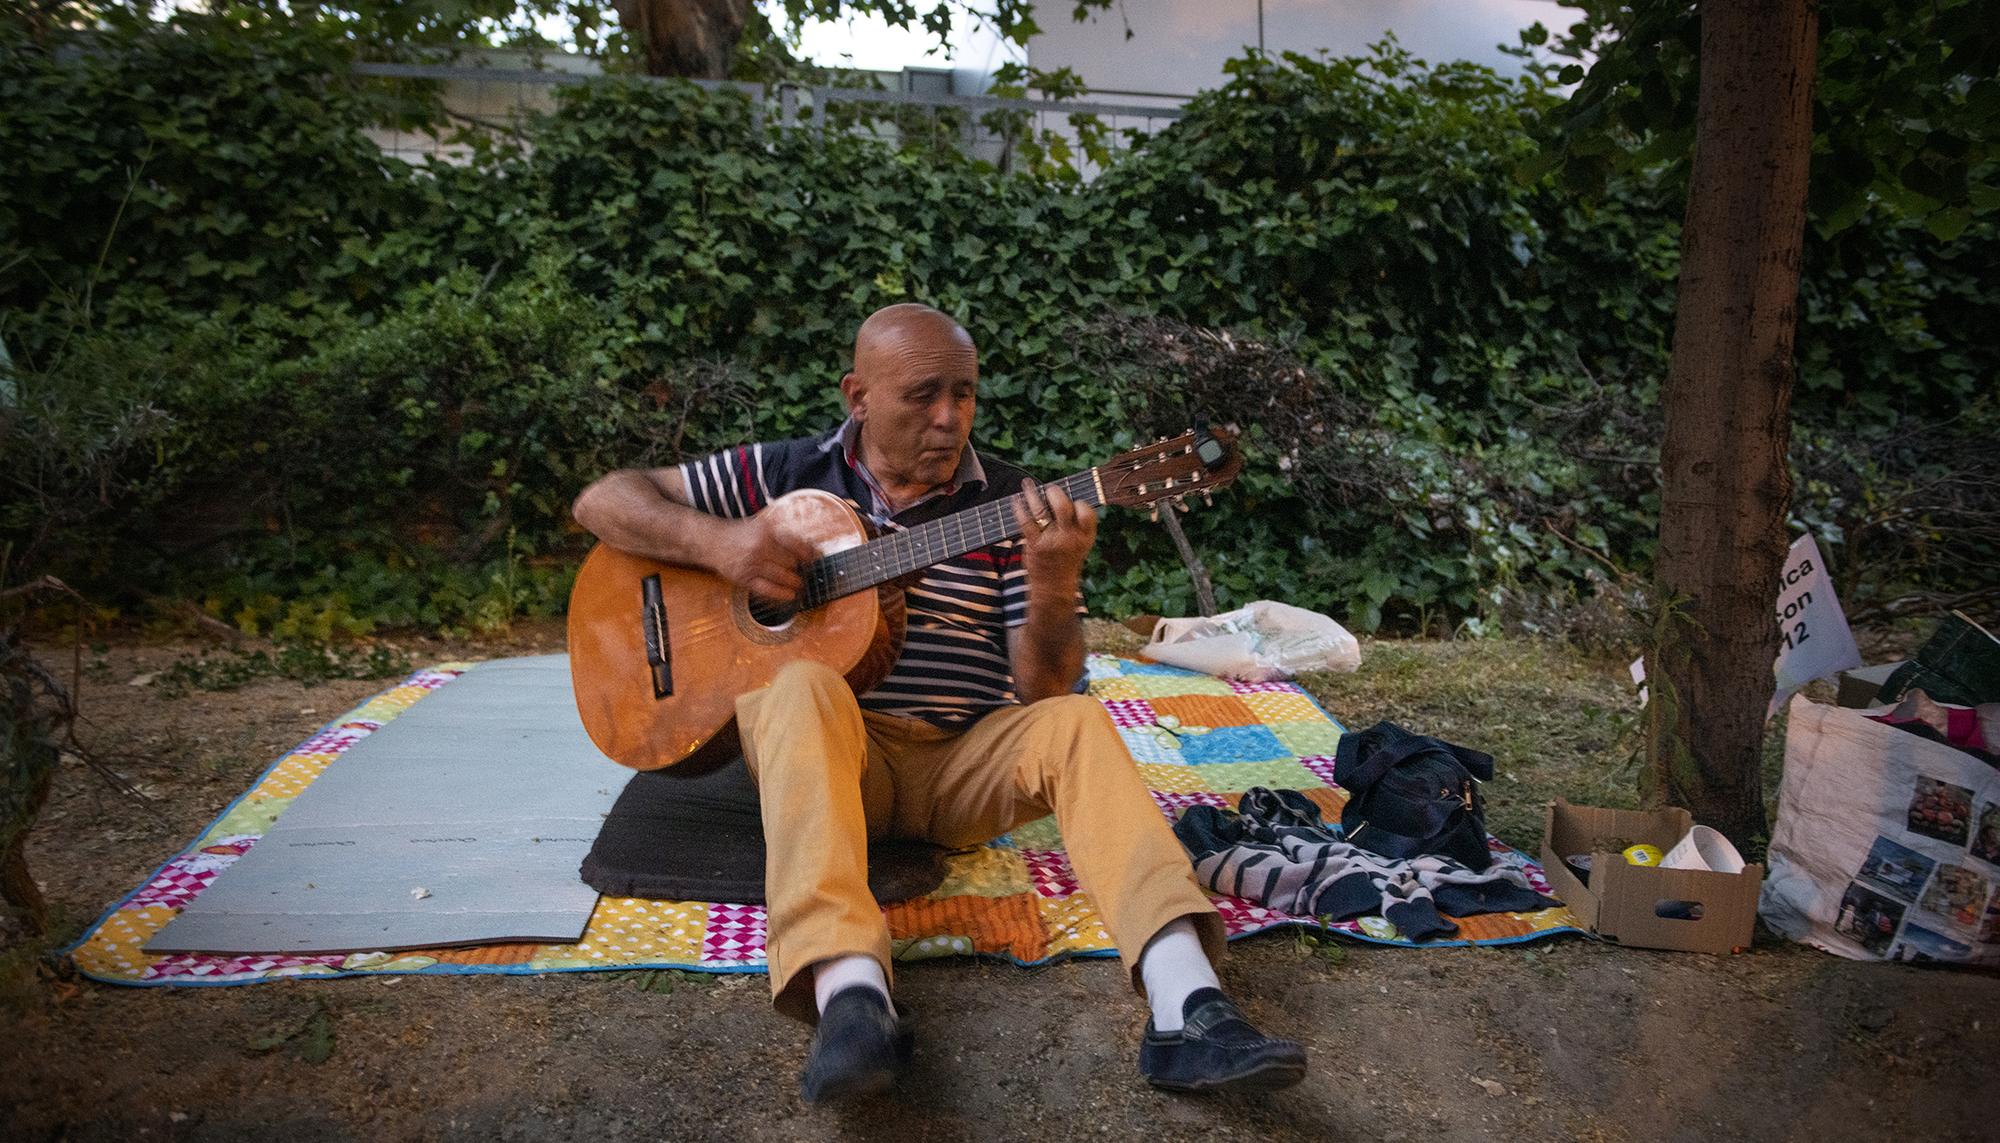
column 770, row 613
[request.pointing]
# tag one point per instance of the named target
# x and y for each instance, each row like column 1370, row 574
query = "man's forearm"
column 627, row 510
column 1051, row 658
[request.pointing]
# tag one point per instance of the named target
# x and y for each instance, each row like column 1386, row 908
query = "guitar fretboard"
column 896, row 555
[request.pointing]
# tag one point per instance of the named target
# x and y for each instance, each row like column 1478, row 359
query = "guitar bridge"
column 653, row 622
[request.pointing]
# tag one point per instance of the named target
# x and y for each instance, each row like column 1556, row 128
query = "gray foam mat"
column 462, row 820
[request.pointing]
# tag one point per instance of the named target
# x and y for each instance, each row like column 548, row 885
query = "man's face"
column 914, row 395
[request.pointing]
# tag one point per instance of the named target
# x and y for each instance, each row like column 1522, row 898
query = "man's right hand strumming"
column 763, row 558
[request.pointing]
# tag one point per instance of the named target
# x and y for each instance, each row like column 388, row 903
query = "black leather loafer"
column 1218, row 1050
column 857, row 1049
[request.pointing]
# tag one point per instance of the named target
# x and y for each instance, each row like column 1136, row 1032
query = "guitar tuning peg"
column 1207, row 498
column 1181, row 503
column 1153, row 513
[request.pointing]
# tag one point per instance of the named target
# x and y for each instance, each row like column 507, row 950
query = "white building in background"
column 486, row 90
column 1178, row 47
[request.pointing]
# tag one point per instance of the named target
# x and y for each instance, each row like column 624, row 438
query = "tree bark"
column 693, row 39
column 1728, row 413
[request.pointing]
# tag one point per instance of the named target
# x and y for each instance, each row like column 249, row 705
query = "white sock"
column 842, row 972
column 1173, row 967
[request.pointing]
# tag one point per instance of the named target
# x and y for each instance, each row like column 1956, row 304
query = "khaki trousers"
column 831, row 776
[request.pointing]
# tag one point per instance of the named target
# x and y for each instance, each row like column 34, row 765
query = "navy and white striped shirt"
column 954, row 667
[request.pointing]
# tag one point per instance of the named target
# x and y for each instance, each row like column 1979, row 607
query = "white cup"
column 1703, row 848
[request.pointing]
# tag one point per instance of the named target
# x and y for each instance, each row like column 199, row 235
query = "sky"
column 863, row 42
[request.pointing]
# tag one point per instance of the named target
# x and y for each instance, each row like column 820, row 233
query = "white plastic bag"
column 1257, row 644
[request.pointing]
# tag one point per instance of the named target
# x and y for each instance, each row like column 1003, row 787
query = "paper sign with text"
column 1813, row 637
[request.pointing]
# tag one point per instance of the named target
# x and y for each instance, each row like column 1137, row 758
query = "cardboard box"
column 1645, row 905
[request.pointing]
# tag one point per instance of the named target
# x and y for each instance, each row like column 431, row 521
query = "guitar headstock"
column 1195, row 463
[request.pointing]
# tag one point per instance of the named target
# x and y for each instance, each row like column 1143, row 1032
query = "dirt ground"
column 1560, row 1039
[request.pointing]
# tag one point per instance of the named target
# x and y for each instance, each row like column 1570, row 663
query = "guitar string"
column 902, row 555
column 825, row 572
column 881, row 566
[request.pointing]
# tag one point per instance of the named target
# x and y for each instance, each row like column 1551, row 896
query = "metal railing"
column 986, row 127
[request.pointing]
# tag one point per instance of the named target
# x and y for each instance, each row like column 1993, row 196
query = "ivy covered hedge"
column 261, row 365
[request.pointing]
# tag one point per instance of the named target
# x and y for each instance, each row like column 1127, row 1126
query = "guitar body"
column 659, row 653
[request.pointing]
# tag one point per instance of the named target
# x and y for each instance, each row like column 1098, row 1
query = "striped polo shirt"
column 954, row 667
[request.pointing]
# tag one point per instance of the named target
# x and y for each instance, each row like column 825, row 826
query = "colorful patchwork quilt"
column 1198, row 740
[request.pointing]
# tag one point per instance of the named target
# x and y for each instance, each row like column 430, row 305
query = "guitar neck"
column 894, row 556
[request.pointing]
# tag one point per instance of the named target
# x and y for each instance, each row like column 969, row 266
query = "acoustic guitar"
column 659, row 653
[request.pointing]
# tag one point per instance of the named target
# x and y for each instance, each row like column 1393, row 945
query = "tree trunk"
column 694, row 39
column 1728, row 421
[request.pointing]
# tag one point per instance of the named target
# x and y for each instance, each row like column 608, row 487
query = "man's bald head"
column 898, row 329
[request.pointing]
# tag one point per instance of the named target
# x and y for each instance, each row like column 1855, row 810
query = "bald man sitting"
column 977, row 729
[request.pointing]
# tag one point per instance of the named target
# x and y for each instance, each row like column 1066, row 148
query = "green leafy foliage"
column 194, row 169
column 306, row 662
column 261, row 366
column 1907, row 104
column 1322, row 944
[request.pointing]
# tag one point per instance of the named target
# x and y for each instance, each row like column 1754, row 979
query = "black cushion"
column 679, row 835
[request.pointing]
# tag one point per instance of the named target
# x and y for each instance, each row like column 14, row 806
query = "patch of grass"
column 663, row 981
column 306, row 662
column 1543, row 962
column 309, row 1037
column 1321, row 945
column 1557, row 722
column 1106, row 637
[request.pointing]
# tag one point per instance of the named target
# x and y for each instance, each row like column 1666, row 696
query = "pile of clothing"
column 1414, row 851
